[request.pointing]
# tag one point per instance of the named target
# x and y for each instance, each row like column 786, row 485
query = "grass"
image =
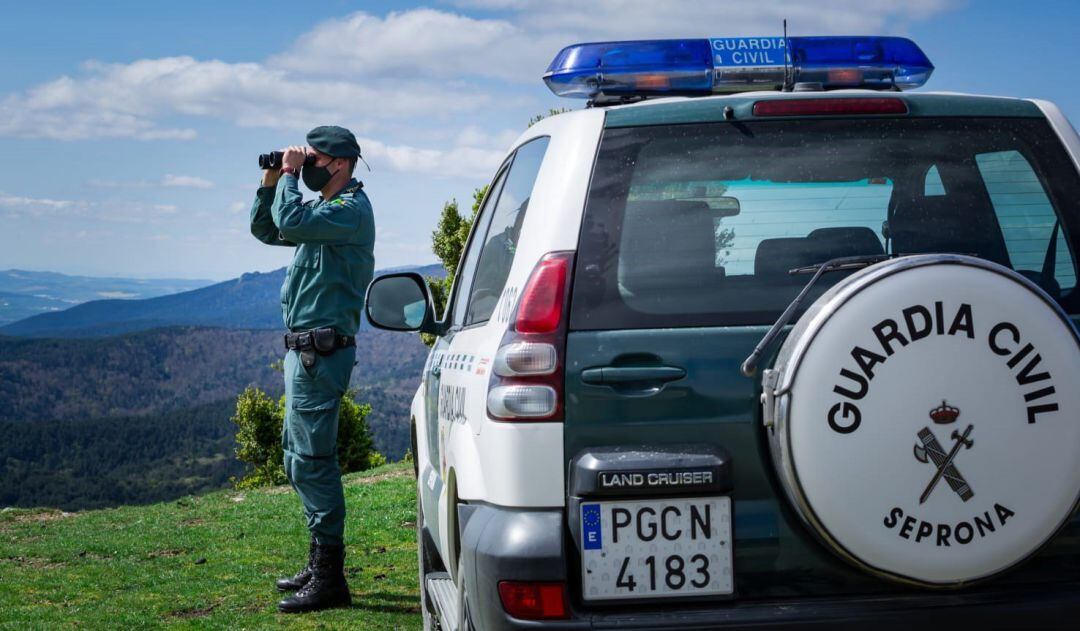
column 207, row 562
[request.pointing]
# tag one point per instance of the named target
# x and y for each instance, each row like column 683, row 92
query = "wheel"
column 914, row 386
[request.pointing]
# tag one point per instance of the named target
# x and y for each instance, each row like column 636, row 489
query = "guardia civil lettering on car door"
column 900, row 266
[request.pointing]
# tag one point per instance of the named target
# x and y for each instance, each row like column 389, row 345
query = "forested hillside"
column 145, row 416
column 167, row 369
column 84, row 392
column 93, row 463
column 146, row 372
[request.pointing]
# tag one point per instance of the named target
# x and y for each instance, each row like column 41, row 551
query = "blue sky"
column 130, row 129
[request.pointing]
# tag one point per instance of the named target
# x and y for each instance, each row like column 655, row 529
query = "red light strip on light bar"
column 830, row 107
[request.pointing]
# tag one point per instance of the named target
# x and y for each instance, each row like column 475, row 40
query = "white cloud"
column 112, row 211
column 476, row 136
column 39, row 202
column 455, row 161
column 99, row 183
column 186, row 181
column 519, row 43
column 470, row 152
column 136, row 100
column 630, row 19
column 17, row 207
column 436, row 74
column 168, row 180
column 425, row 41
column 491, row 4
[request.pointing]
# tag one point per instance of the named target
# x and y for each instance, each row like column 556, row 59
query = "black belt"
column 324, row 341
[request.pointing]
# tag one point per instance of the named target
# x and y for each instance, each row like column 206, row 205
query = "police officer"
column 321, row 301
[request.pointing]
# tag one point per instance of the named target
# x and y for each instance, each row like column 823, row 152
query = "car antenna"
column 789, row 74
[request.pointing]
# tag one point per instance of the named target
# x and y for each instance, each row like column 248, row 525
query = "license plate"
column 656, row 548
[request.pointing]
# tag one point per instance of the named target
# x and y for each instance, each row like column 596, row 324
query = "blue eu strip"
column 592, row 538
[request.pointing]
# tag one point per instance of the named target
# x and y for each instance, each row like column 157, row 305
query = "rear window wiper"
column 749, row 366
column 840, row 264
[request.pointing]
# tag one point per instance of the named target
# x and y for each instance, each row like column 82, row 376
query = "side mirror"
column 401, row 302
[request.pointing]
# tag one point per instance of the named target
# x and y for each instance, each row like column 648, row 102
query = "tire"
column 900, row 368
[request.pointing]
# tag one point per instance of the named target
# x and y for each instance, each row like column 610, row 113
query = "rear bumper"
column 529, row 545
column 1042, row 608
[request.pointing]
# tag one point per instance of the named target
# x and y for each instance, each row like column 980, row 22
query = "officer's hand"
column 270, row 177
column 294, row 157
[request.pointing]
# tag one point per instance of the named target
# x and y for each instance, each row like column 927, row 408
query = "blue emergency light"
column 735, row 64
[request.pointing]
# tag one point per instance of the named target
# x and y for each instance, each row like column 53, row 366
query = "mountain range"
column 249, row 302
column 25, row 293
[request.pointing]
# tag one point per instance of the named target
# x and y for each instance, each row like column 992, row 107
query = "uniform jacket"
column 334, row 260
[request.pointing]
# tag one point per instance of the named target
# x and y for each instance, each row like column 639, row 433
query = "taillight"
column 534, row 600
column 541, row 306
column 526, row 358
column 830, row 107
column 527, row 373
column 523, row 401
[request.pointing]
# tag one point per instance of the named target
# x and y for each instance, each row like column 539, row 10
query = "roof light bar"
column 736, row 64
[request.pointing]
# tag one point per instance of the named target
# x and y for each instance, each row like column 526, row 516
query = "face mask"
column 315, row 178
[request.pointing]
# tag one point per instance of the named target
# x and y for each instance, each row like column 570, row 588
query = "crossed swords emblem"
column 929, row 450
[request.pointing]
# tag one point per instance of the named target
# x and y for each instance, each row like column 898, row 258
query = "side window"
column 500, row 243
column 467, row 269
column 1033, row 236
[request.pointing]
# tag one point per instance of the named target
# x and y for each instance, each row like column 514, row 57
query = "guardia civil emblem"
column 929, row 450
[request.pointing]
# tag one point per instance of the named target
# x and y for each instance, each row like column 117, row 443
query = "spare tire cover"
column 925, row 418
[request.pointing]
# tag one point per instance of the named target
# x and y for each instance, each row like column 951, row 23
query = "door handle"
column 624, row 375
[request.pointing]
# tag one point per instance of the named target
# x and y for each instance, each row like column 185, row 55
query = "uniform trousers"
column 309, row 439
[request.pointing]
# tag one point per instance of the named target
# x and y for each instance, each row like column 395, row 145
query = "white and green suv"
column 803, row 355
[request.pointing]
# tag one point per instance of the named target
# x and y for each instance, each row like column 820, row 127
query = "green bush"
column 259, row 421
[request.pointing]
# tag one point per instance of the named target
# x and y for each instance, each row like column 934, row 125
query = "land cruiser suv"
column 715, row 357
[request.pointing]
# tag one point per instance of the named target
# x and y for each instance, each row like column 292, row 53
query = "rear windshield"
column 692, row 225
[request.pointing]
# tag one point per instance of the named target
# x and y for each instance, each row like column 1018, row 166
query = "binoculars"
column 272, row 160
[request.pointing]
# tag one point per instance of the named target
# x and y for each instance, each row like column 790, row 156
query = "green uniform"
column 324, row 287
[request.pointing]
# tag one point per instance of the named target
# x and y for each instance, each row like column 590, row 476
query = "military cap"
column 334, row 141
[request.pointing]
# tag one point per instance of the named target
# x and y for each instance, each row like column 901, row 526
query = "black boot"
column 327, row 587
column 302, row 577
